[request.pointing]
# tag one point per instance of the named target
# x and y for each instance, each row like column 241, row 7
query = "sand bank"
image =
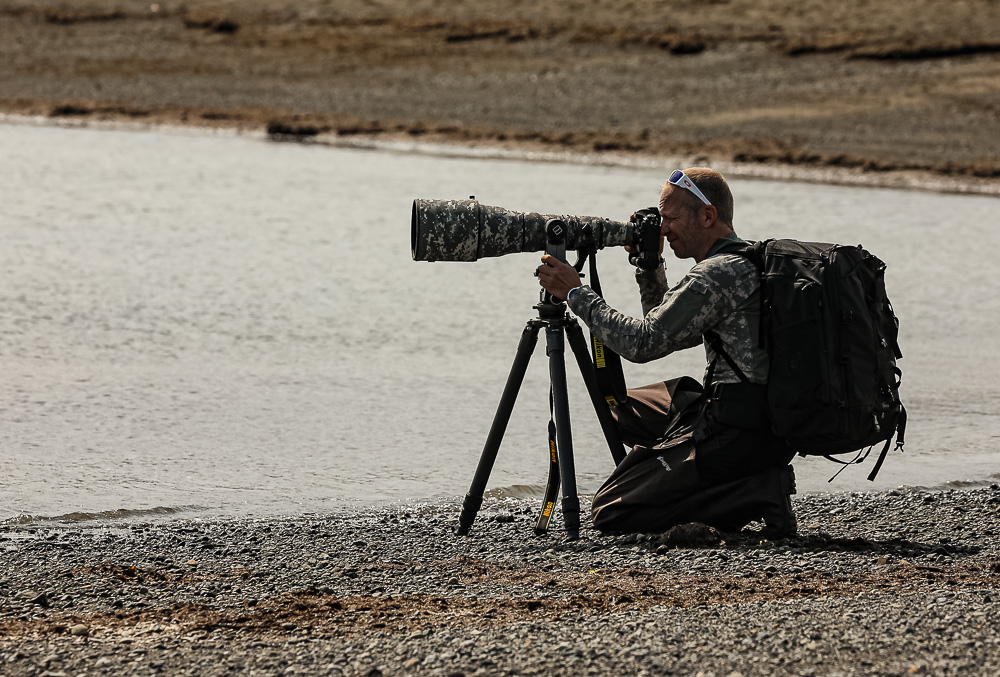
column 907, row 95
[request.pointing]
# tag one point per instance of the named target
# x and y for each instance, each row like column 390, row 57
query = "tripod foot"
column 470, row 508
column 571, row 516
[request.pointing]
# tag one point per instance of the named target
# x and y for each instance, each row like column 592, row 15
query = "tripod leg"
column 579, row 345
column 474, row 499
column 554, row 348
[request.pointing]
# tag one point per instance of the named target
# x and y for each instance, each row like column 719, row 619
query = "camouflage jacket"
column 721, row 293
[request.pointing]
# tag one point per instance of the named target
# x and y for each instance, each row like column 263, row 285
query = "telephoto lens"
column 465, row 230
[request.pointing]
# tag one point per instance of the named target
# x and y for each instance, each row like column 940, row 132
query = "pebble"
column 395, row 553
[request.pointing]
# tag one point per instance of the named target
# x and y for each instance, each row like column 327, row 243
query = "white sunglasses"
column 679, row 178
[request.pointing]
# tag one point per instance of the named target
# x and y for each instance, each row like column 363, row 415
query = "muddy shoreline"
column 899, row 582
column 442, row 146
column 899, row 96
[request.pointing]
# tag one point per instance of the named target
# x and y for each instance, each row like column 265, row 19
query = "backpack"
column 831, row 337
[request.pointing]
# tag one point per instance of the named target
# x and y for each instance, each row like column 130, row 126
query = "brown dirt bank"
column 901, row 87
column 593, row 593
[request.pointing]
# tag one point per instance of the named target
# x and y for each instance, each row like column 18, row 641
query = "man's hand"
column 557, row 277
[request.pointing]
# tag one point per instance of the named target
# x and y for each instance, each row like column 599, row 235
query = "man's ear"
column 711, row 216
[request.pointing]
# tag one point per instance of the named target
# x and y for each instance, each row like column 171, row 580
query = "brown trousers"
column 732, row 445
column 683, row 453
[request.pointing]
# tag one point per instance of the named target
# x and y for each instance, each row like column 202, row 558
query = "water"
column 200, row 325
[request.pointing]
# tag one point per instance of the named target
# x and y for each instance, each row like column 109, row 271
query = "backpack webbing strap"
column 881, row 458
column 607, row 363
column 900, row 432
column 863, row 454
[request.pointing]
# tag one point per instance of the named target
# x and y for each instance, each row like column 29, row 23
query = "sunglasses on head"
column 679, row 178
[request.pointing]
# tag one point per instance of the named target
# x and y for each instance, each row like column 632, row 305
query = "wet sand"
column 846, row 89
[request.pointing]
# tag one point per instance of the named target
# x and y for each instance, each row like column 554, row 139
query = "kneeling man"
column 701, row 452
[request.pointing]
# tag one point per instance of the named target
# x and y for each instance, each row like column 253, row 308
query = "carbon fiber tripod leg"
column 474, row 499
column 555, row 349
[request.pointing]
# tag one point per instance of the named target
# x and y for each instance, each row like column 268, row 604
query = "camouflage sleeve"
column 652, row 287
column 676, row 323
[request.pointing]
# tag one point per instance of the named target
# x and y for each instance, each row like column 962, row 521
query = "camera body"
column 646, row 249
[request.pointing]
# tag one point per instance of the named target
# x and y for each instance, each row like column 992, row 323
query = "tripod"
column 559, row 326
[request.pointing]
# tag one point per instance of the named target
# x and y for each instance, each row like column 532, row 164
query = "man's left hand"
column 557, row 277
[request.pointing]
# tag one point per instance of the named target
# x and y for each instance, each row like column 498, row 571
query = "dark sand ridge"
column 618, row 590
column 887, row 88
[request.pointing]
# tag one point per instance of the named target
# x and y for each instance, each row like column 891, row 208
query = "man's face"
column 680, row 225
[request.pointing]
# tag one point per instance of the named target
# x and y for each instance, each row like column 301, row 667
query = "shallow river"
column 197, row 325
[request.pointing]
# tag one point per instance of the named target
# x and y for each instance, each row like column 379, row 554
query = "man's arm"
column 699, row 302
column 675, row 324
column 652, row 287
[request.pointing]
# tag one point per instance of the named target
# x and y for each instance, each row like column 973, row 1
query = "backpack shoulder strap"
column 754, row 251
column 715, row 341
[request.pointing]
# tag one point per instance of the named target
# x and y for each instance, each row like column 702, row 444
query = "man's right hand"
column 557, row 277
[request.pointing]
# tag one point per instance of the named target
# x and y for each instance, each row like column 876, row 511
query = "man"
column 700, row 453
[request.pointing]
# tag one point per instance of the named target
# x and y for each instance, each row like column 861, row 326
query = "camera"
column 646, row 252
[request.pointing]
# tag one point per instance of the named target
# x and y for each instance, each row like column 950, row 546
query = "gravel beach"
column 899, row 582
column 896, row 582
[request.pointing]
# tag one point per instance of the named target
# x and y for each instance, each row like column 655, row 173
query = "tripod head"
column 555, row 246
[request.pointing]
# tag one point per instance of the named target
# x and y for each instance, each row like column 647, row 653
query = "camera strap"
column 552, row 486
column 607, row 363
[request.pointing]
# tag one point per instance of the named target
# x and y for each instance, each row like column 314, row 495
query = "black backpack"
column 831, row 338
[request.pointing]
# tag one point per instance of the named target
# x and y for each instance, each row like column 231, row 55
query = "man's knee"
column 619, row 519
